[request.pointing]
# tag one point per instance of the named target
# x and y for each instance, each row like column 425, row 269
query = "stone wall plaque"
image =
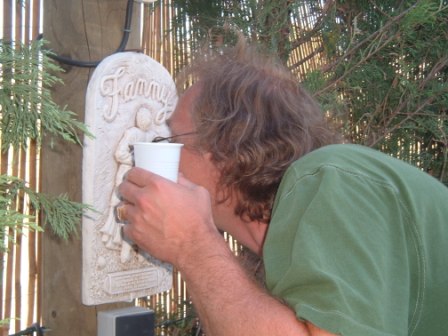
column 129, row 98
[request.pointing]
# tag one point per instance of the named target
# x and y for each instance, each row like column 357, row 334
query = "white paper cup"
column 159, row 158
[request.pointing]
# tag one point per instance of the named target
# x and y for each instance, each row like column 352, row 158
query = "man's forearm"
column 227, row 300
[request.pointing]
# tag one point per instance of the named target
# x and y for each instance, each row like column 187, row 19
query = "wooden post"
column 86, row 30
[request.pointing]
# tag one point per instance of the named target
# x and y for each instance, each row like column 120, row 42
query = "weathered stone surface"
column 128, row 99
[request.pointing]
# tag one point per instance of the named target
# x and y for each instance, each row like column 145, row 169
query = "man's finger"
column 141, row 177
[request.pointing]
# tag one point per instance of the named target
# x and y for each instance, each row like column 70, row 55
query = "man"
column 353, row 241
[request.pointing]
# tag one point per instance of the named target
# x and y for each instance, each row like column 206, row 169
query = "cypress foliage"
column 387, row 75
column 383, row 73
column 27, row 113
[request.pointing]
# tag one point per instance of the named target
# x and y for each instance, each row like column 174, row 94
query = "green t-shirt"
column 358, row 244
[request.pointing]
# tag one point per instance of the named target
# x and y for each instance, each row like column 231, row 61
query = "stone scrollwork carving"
column 129, row 98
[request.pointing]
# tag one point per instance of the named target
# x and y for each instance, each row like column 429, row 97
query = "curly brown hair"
column 255, row 119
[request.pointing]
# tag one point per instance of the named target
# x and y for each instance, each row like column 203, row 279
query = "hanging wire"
column 121, row 47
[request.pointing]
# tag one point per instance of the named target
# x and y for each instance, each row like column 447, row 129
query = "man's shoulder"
column 365, row 163
column 343, row 156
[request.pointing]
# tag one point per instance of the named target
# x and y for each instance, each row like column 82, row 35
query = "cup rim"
column 157, row 143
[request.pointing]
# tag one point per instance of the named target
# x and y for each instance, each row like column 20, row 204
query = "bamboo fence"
column 19, row 288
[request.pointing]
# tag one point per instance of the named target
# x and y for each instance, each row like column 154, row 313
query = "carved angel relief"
column 148, row 125
column 129, row 98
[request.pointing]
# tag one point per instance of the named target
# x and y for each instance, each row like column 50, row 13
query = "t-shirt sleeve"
column 332, row 255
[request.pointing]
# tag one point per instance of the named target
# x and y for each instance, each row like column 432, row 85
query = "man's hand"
column 166, row 219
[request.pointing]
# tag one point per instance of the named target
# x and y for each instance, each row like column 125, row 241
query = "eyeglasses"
column 171, row 138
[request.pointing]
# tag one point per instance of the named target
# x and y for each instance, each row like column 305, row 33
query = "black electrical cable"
column 121, row 47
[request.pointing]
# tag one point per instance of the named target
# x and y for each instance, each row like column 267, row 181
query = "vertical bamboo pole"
column 33, row 258
column 20, row 208
column 10, row 256
column 164, row 35
column 7, row 36
column 156, row 28
column 15, row 269
column 8, row 261
column 145, row 31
